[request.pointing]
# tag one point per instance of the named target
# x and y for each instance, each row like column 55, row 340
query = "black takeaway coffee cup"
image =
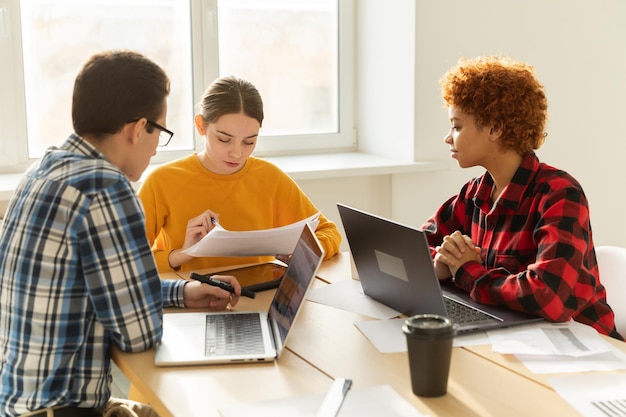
column 429, row 343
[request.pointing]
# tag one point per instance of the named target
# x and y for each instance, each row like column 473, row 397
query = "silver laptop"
column 395, row 267
column 227, row 337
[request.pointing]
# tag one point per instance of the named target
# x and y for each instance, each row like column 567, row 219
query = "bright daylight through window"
column 288, row 48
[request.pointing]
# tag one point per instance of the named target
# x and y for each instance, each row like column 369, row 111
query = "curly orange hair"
column 499, row 91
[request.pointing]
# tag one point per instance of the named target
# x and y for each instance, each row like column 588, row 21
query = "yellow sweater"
column 260, row 196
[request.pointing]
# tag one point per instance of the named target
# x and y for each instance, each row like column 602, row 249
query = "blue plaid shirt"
column 76, row 276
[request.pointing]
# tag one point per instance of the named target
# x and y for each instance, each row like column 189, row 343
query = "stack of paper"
column 571, row 348
column 559, row 348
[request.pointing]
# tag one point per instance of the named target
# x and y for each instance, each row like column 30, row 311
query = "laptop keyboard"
column 228, row 334
column 461, row 314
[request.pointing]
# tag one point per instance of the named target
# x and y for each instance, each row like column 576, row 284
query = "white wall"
column 404, row 46
column 578, row 50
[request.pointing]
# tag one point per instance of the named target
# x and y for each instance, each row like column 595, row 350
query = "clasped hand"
column 456, row 250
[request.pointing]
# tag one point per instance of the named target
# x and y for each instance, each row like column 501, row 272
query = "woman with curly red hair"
column 519, row 235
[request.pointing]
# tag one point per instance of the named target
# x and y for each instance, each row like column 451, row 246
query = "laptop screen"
column 306, row 258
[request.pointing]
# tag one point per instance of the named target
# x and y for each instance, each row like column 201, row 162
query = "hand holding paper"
column 276, row 241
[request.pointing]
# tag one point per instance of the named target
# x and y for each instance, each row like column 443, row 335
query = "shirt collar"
column 514, row 192
column 78, row 145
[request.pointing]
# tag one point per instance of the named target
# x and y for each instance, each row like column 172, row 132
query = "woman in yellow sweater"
column 224, row 183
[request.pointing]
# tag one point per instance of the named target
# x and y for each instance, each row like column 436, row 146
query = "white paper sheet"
column 565, row 339
column 387, row 335
column 615, row 359
column 348, row 295
column 594, row 395
column 581, row 350
column 277, row 241
column 376, row 401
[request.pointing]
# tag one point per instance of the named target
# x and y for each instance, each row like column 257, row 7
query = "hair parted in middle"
column 228, row 95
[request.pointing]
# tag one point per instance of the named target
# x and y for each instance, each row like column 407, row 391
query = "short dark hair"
column 229, row 95
column 114, row 88
column 499, row 91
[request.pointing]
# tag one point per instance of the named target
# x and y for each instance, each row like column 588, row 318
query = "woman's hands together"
column 456, row 250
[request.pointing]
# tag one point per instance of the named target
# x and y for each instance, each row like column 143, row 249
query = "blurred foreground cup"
column 429, row 343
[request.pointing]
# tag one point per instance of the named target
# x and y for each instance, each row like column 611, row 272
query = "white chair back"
column 612, row 266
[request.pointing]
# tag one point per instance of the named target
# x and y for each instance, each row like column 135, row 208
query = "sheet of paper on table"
column 564, row 339
column 348, row 295
column 593, row 395
column 559, row 348
column 375, row 401
column 387, row 336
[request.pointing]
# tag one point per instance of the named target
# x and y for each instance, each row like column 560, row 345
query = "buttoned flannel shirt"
column 536, row 243
column 76, row 275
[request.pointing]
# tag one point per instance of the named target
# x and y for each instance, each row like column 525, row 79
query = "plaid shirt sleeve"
column 536, row 245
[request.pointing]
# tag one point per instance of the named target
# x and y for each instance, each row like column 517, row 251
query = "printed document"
column 594, row 395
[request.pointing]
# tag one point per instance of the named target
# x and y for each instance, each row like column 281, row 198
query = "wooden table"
column 189, row 391
column 325, row 345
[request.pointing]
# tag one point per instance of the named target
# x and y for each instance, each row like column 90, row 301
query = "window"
column 289, row 49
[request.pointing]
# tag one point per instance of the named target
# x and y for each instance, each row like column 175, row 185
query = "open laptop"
column 191, row 339
column 395, row 267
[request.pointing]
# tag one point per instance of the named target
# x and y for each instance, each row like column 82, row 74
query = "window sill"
column 307, row 167
column 348, row 164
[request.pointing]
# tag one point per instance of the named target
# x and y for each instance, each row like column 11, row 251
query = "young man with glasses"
column 77, row 274
column 165, row 135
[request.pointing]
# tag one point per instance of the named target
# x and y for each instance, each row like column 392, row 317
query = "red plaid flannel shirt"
column 536, row 243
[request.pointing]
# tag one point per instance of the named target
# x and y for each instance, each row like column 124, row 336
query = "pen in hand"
column 221, row 284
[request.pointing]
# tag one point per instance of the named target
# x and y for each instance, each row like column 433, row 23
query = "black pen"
column 221, row 284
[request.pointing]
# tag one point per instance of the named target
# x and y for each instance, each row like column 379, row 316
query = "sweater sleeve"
column 329, row 236
column 154, row 209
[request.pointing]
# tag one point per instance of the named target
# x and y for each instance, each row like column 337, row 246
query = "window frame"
column 13, row 135
column 206, row 50
column 205, row 67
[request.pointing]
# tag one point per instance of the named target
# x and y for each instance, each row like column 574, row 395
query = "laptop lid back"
column 385, row 254
column 395, row 266
column 286, row 304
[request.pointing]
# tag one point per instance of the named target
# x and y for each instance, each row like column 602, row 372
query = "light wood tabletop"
column 328, row 339
column 189, row 391
column 325, row 344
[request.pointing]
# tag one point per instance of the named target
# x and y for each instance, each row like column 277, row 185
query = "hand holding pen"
column 200, row 226
column 198, row 295
column 211, row 280
column 197, row 228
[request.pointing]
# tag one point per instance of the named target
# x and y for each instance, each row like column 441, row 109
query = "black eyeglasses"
column 164, row 136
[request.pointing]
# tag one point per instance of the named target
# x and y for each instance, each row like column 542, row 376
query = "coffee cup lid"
column 428, row 324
